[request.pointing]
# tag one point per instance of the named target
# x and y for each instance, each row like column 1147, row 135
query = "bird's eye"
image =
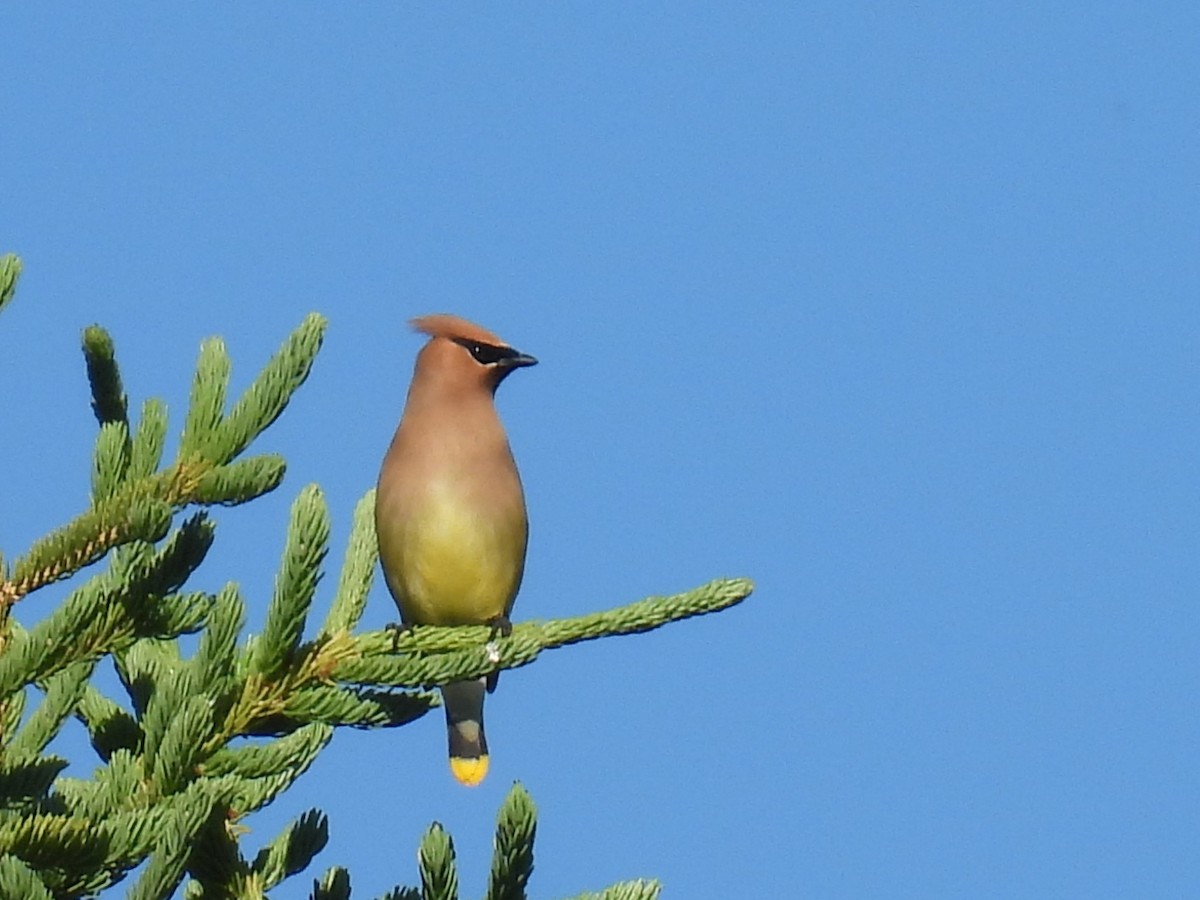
column 487, row 354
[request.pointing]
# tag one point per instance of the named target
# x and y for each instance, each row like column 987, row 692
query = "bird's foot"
column 503, row 628
column 500, row 626
column 397, row 629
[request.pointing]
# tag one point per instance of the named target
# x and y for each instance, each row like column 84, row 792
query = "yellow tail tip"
column 469, row 770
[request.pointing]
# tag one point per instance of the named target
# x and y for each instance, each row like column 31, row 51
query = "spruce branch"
column 205, row 740
column 358, row 707
column 358, row 571
column 109, row 727
column 129, row 515
column 10, row 271
column 259, row 760
column 142, row 506
column 16, row 878
column 512, row 860
column 248, row 795
column 115, row 787
column 46, row 840
column 627, row 890
column 268, row 395
column 12, row 710
column 435, row 858
column 293, row 849
column 181, row 745
column 207, row 402
column 238, row 482
column 110, row 611
column 512, row 857
column 214, row 667
column 216, row 865
column 146, row 450
column 63, row 692
column 154, row 684
column 169, row 858
column 296, row 584
column 430, row 656
column 110, row 461
column 334, row 885
column 109, row 402
column 25, row 779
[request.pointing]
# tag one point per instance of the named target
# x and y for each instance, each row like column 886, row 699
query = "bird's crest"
column 450, row 327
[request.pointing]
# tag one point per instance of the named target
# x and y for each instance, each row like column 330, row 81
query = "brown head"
column 461, row 356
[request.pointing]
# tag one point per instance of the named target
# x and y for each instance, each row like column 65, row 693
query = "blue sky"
column 894, row 310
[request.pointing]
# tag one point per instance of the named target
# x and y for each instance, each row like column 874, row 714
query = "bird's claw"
column 500, row 626
column 397, row 630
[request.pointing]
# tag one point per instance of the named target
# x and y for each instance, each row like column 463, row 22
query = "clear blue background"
column 895, row 310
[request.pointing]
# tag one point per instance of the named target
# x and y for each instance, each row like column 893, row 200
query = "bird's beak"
column 521, row 359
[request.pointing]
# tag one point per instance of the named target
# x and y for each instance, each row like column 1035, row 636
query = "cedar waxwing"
column 450, row 511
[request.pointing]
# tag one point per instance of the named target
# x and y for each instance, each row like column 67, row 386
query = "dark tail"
column 464, row 727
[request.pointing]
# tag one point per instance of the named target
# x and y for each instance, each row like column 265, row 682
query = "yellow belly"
column 447, row 567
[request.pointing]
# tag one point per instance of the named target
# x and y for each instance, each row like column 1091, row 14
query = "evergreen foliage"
column 200, row 742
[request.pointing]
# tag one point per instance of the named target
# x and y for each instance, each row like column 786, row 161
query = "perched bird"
column 450, row 510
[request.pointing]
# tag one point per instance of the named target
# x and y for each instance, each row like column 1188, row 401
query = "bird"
column 450, row 511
